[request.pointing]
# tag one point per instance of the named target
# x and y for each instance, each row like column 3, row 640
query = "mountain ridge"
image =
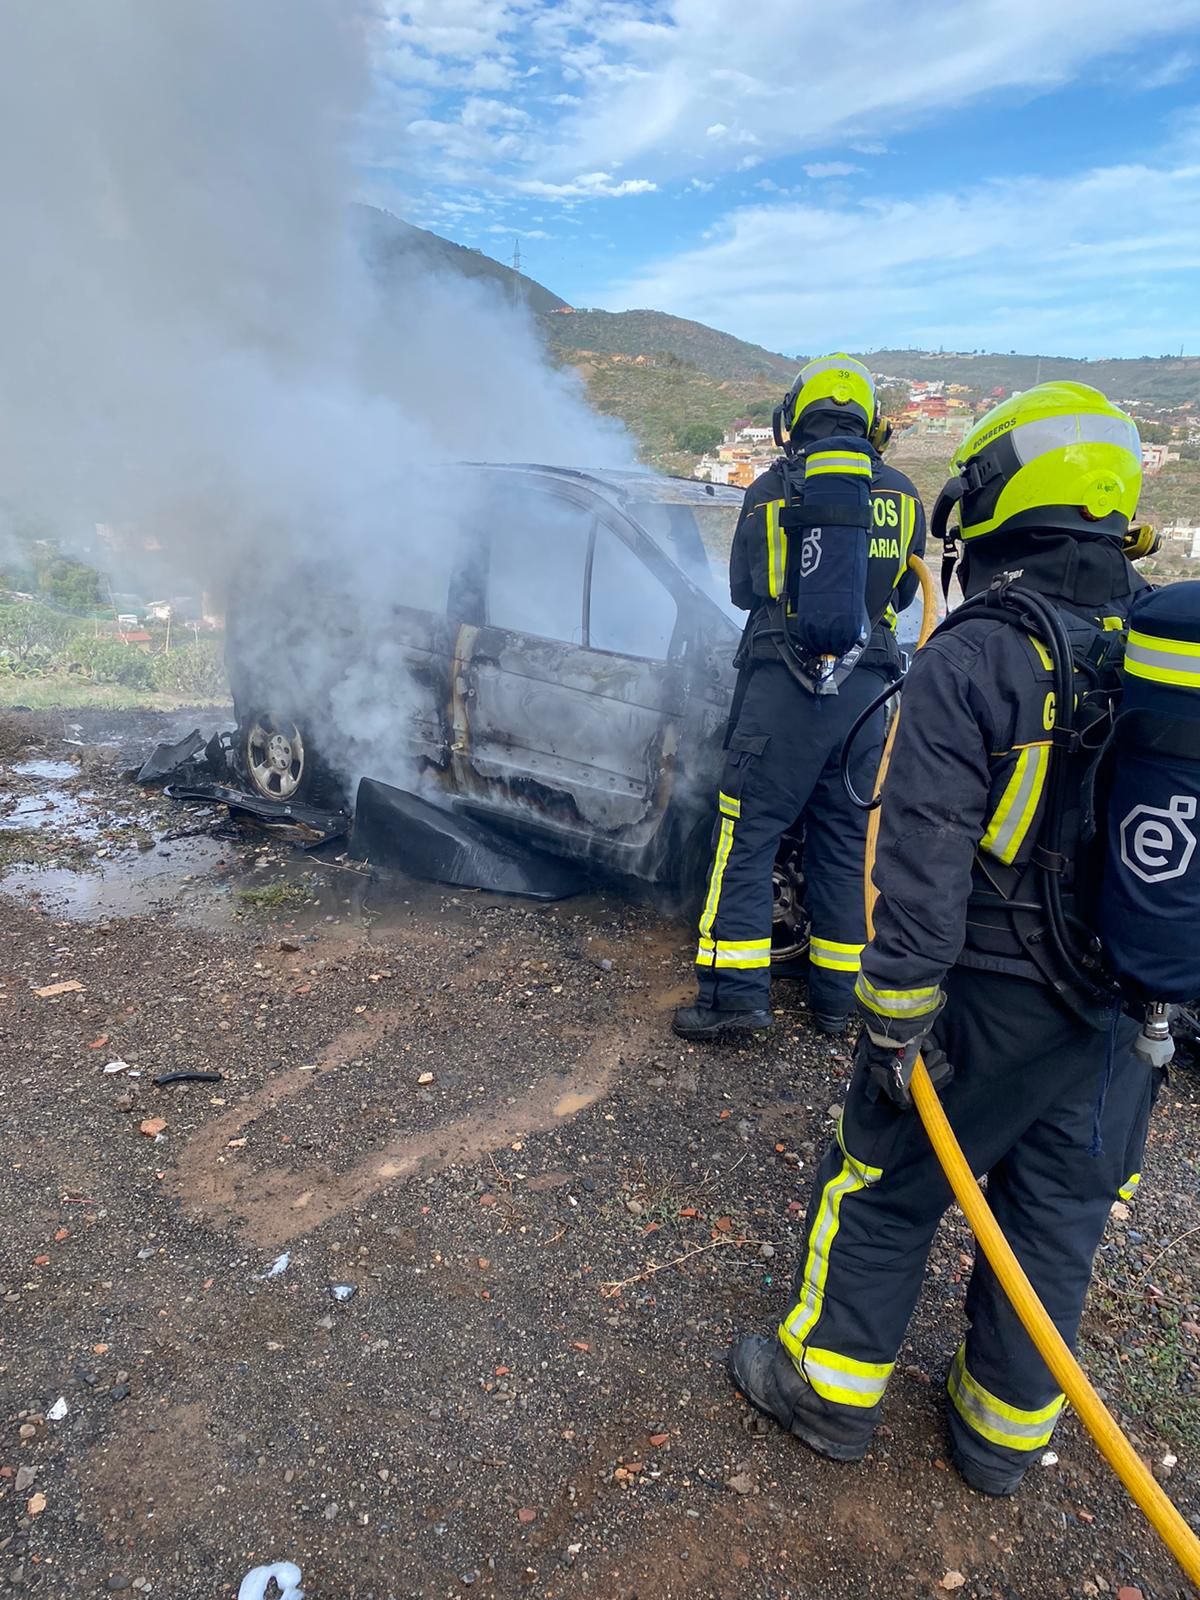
column 646, row 333
column 578, row 336
column 387, row 239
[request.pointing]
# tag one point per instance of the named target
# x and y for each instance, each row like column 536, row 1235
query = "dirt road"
column 545, row 1218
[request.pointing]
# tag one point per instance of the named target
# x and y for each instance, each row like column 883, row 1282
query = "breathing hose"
column 1143, row 1488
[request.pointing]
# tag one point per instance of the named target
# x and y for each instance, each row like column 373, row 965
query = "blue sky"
column 1001, row 174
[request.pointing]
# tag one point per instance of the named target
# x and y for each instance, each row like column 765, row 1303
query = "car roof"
column 626, row 485
column 630, row 489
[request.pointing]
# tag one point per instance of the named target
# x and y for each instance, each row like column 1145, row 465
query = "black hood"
column 829, row 422
column 1086, row 571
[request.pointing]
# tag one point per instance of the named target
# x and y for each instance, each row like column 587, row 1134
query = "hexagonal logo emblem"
column 1156, row 842
column 810, row 552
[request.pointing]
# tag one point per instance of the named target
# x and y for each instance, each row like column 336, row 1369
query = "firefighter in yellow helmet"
column 794, row 706
column 979, row 960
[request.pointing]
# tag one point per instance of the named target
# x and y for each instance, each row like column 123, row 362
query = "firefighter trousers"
column 783, row 763
column 1055, row 1114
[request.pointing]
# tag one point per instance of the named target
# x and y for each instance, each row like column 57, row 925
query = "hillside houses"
column 746, row 450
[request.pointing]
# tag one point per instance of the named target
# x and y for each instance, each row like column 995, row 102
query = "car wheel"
column 280, row 763
column 790, row 922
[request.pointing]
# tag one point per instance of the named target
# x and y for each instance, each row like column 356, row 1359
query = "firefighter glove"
column 892, row 1068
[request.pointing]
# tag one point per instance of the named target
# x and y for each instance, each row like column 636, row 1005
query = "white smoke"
column 194, row 352
column 190, row 346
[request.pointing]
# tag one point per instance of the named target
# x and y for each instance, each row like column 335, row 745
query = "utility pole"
column 517, row 295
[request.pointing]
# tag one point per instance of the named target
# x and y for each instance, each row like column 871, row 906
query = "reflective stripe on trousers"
column 994, row 1419
column 838, row 957
column 842, row 1379
column 730, row 809
column 741, row 954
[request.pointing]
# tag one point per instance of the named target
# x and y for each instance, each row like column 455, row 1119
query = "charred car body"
column 558, row 664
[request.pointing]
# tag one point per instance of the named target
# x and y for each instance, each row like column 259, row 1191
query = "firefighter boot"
column 985, row 1476
column 702, row 1022
column 762, row 1370
column 829, row 1024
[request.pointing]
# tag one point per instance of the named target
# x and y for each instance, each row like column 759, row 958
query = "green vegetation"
column 69, row 584
column 660, row 403
column 195, row 670
column 48, row 658
column 276, row 896
column 106, row 660
column 1172, row 496
column 655, row 335
column 698, row 438
column 82, row 694
column 38, row 567
column 31, row 638
column 1158, row 381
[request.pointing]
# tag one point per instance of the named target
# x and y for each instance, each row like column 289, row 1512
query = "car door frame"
column 626, row 845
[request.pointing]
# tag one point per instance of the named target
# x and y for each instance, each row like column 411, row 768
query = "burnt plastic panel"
column 398, row 830
column 168, row 758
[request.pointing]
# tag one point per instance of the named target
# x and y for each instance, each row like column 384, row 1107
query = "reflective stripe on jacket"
column 966, row 785
column 758, row 559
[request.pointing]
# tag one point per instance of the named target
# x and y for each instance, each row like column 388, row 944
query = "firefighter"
column 785, row 740
column 1038, row 1077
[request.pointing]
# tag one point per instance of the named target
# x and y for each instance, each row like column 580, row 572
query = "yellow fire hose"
column 1175, row 1533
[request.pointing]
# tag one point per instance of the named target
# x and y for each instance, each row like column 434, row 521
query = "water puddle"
column 116, row 854
column 178, row 876
column 53, row 809
column 50, row 771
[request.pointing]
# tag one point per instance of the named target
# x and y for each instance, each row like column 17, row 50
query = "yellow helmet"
column 1058, row 456
column 831, row 383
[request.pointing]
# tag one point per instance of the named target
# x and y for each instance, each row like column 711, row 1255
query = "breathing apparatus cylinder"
column 1149, row 901
column 828, row 531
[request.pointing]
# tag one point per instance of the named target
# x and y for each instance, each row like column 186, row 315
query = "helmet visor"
column 1033, row 439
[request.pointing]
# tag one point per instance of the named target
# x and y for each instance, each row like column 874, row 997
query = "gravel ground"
column 551, row 1217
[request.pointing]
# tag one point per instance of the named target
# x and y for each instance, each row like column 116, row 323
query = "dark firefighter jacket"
column 963, row 799
column 759, row 554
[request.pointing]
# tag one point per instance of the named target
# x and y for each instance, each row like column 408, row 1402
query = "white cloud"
column 692, row 88
column 491, row 72
column 1022, row 263
column 589, row 186
column 466, row 28
column 711, row 76
column 478, row 113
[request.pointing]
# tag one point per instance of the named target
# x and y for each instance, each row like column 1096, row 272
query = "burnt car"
column 553, row 656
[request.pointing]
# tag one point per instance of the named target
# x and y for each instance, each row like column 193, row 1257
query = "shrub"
column 30, row 637
column 699, row 437
column 108, row 661
column 192, row 669
column 69, row 583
